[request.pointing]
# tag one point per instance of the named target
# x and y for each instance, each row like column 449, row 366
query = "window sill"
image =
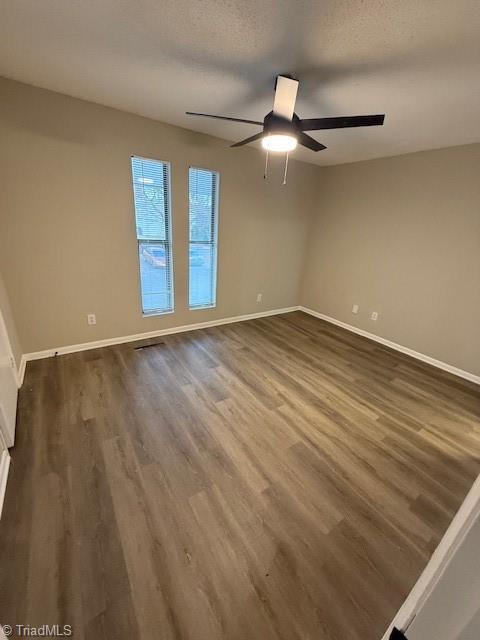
column 202, row 307
column 153, row 314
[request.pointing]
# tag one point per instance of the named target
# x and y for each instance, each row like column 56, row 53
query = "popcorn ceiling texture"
column 418, row 62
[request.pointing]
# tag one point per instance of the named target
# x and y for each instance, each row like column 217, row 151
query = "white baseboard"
column 4, row 466
column 397, row 347
column 85, row 346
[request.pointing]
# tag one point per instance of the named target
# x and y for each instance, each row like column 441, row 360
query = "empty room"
column 240, row 320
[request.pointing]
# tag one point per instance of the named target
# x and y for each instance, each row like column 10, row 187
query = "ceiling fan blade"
column 309, row 142
column 341, row 122
column 285, row 97
column 257, row 136
column 208, row 115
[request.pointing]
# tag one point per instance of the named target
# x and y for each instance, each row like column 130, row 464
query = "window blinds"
column 203, row 228
column 151, row 191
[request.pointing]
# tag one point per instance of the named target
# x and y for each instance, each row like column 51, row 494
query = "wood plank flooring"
column 277, row 479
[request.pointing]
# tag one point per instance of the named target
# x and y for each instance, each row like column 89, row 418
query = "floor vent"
column 147, row 346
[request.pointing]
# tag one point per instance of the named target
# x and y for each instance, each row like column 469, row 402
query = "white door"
column 452, row 610
column 445, row 602
column 8, row 387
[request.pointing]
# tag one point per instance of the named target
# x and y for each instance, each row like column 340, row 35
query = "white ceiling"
column 418, row 61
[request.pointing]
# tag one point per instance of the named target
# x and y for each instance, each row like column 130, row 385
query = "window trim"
column 168, row 241
column 212, row 305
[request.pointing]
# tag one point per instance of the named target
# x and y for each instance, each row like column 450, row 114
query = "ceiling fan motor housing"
column 277, row 125
column 283, row 122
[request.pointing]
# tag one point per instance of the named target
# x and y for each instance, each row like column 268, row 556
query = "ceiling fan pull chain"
column 286, row 169
column 265, row 173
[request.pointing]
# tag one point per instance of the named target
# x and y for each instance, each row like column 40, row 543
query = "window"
column 151, row 191
column 203, row 224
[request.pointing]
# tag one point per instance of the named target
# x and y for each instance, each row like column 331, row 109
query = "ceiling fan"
column 283, row 129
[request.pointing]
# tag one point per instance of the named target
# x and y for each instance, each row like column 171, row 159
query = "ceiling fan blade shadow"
column 257, row 136
column 341, row 122
column 309, row 142
column 209, row 115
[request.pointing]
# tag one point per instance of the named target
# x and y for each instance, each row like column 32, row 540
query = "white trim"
column 3, row 329
column 21, row 370
column 4, row 466
column 397, row 347
column 84, row 346
column 461, row 524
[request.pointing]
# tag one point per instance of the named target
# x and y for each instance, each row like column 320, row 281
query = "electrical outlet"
column 259, row 297
column 355, row 308
column 91, row 318
column 374, row 316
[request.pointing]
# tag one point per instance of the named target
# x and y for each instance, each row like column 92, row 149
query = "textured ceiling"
column 418, row 61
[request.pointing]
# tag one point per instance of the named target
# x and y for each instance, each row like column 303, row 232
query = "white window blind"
column 203, row 186
column 151, row 191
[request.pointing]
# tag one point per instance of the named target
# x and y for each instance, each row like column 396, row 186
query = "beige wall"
column 6, row 311
column 401, row 236
column 67, row 238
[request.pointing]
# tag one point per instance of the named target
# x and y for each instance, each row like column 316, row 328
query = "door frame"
column 443, row 554
column 3, row 329
column 4, row 467
column 4, row 464
column 8, row 437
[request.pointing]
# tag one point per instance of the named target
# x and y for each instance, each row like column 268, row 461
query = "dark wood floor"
column 272, row 479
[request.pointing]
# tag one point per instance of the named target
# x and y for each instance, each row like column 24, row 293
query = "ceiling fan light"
column 279, row 142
